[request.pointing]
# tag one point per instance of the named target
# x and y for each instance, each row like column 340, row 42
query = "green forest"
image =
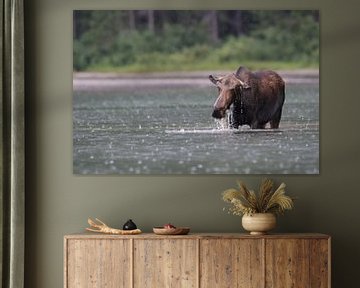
column 154, row 40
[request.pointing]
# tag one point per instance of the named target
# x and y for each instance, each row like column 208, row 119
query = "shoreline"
column 112, row 81
column 184, row 74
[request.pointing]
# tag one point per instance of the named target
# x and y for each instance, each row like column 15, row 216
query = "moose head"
column 228, row 86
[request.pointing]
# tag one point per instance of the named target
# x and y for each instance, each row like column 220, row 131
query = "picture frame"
column 144, row 108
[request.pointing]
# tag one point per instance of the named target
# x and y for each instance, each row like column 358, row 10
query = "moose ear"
column 241, row 70
column 213, row 79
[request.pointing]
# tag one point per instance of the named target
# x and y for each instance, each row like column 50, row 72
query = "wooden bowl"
column 171, row 231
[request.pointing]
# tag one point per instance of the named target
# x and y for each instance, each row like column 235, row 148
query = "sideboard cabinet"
column 197, row 260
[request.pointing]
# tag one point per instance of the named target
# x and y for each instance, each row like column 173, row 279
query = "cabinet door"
column 165, row 263
column 287, row 263
column 320, row 263
column 98, row 263
column 231, row 263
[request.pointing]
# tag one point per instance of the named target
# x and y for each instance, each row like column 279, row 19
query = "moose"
column 253, row 98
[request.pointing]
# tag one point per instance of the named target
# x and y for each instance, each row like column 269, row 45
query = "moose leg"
column 233, row 123
column 275, row 121
column 257, row 125
column 233, row 119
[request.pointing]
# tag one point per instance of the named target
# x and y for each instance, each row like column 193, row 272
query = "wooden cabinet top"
column 200, row 236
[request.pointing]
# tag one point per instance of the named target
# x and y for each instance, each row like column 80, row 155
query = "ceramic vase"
column 259, row 223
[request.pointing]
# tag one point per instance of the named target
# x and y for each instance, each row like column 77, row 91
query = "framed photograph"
column 195, row 92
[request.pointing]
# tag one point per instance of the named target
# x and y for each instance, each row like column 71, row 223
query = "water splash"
column 223, row 123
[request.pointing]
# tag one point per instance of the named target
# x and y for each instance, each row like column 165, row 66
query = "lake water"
column 168, row 129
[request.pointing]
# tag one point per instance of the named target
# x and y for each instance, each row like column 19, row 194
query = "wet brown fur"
column 255, row 102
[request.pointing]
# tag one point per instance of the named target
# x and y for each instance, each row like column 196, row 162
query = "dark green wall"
column 59, row 202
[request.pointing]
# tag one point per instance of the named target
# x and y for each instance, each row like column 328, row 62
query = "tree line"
column 140, row 39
